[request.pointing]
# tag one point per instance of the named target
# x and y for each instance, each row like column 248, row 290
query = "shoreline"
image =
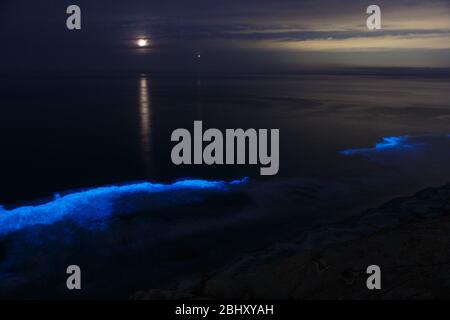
column 407, row 237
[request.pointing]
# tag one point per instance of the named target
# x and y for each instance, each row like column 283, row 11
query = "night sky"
column 229, row 35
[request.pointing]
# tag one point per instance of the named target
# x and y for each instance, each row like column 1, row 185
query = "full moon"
column 142, row 43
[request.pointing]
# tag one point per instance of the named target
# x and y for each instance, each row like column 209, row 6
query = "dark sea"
column 347, row 143
column 68, row 132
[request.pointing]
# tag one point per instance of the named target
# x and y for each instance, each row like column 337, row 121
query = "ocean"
column 87, row 176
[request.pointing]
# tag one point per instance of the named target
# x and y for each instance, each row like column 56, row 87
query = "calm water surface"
column 68, row 132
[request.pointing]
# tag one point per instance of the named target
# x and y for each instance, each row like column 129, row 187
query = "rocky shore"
column 409, row 238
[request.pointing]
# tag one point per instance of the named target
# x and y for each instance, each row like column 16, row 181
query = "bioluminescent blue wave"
column 387, row 143
column 90, row 207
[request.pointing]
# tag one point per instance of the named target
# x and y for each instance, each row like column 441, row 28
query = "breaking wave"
column 90, row 208
column 398, row 144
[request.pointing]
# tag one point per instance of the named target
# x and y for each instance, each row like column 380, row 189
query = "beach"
column 412, row 255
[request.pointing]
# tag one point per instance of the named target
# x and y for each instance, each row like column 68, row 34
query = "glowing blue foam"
column 387, row 143
column 88, row 207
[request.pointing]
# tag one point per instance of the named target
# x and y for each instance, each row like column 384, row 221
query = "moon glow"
column 142, row 43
